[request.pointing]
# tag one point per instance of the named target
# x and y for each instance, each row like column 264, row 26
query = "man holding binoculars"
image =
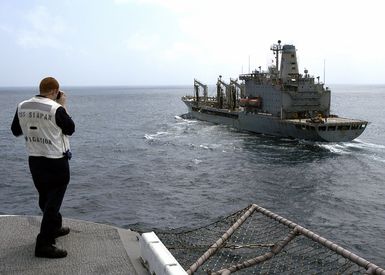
column 46, row 125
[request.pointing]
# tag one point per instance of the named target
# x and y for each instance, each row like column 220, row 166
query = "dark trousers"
column 51, row 177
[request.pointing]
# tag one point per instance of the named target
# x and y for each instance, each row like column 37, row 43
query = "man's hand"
column 63, row 99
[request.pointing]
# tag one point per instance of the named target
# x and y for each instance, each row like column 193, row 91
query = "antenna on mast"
column 324, row 70
column 276, row 48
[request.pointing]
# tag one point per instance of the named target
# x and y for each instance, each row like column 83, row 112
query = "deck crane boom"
column 230, row 92
column 241, row 87
column 198, row 84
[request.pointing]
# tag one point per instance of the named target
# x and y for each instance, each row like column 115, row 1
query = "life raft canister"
column 250, row 102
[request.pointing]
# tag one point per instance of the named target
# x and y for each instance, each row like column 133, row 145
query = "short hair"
column 48, row 84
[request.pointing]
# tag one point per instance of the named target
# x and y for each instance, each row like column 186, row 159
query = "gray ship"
column 278, row 102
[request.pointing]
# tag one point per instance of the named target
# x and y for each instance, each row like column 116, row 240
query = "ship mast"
column 276, row 48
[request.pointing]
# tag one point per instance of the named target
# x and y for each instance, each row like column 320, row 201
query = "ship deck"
column 92, row 249
column 333, row 120
column 330, row 120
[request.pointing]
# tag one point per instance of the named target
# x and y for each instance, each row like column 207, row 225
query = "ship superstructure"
column 279, row 102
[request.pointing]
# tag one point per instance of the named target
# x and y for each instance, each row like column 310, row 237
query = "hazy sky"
column 161, row 42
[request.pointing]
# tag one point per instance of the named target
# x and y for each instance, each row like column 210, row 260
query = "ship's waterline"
column 335, row 130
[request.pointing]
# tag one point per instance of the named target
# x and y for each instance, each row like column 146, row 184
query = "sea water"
column 137, row 164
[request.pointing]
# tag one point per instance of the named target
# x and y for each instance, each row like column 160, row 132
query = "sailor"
column 46, row 125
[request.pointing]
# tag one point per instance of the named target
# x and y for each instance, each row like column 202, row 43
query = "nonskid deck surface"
column 92, row 249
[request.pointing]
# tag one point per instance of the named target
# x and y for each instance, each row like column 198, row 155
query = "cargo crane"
column 230, row 92
column 241, row 87
column 198, row 84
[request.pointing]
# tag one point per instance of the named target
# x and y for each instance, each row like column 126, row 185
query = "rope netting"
column 257, row 241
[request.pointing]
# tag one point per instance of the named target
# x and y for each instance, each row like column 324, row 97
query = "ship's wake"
column 198, row 135
column 154, row 136
column 369, row 150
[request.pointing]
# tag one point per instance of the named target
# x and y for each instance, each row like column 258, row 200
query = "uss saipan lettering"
column 37, row 115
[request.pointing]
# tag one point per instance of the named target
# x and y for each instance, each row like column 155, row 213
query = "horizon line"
column 161, row 85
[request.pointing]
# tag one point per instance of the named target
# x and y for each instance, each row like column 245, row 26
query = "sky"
column 171, row 42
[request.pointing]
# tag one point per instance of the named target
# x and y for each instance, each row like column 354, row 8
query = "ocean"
column 137, row 164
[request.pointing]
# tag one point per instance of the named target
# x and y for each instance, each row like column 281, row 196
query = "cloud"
column 44, row 21
column 170, row 4
column 180, row 49
column 44, row 29
column 245, row 27
column 211, row 32
column 6, row 29
column 223, row 34
column 142, row 42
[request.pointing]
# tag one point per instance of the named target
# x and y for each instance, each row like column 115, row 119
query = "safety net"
column 257, row 241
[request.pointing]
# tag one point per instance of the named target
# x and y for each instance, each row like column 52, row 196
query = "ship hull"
column 333, row 130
